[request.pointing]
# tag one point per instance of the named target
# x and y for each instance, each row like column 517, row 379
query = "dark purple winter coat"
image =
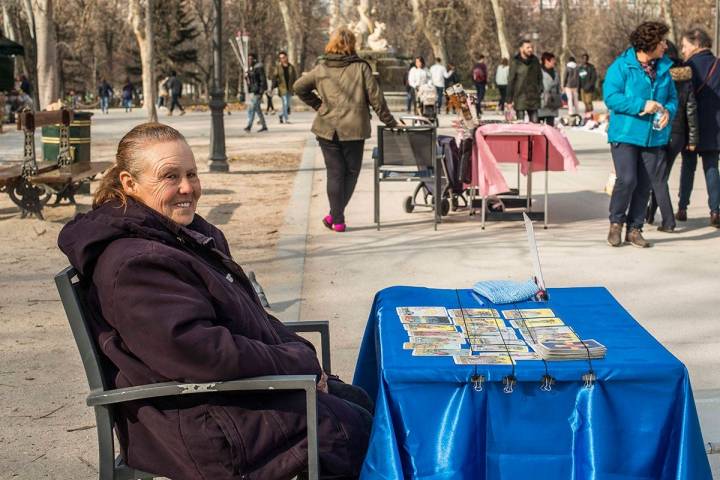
column 175, row 307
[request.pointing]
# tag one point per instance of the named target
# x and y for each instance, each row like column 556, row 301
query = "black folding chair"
column 103, row 400
column 407, row 154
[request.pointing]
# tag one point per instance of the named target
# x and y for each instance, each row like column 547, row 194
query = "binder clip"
column 509, row 383
column 477, row 381
column 589, row 379
column 546, row 383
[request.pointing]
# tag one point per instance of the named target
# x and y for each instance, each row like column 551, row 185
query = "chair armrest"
column 167, row 389
column 320, row 326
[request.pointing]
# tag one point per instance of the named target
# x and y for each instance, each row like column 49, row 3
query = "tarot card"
column 428, row 327
column 422, row 311
column 527, row 313
column 483, row 360
column 426, row 345
column 473, row 312
column 429, row 352
column 425, row 319
column 537, row 322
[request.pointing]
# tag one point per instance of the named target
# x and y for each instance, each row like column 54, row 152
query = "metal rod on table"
column 547, row 173
column 529, row 179
column 484, row 207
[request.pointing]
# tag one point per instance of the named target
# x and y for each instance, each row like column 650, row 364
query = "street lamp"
column 218, row 159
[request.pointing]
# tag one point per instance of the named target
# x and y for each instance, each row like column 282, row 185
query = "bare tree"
column 288, row 17
column 501, row 30
column 46, row 37
column 430, row 20
column 667, row 12
column 564, row 47
column 141, row 23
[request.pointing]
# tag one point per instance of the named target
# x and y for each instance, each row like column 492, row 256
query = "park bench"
column 32, row 184
column 103, row 399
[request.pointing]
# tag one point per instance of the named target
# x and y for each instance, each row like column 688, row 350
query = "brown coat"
column 346, row 89
column 171, row 305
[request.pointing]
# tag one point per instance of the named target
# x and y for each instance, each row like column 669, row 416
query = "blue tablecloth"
column 637, row 422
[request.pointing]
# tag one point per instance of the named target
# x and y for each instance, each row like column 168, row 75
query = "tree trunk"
column 48, row 84
column 501, row 31
column 141, row 23
column 289, row 30
column 667, row 12
column 434, row 36
column 564, row 48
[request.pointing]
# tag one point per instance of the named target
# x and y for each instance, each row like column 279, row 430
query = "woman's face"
column 659, row 50
column 687, row 48
column 169, row 183
column 551, row 62
column 418, row 63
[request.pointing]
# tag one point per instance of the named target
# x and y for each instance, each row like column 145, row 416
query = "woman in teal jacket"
column 637, row 87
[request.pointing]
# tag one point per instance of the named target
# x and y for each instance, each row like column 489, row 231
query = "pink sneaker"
column 327, row 221
column 339, row 227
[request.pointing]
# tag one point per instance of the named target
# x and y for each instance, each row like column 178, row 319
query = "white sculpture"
column 376, row 42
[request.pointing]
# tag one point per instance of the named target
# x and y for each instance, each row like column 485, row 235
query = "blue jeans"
column 104, row 102
column 255, row 107
column 127, row 104
column 480, row 92
column 635, row 167
column 410, row 101
column 285, row 106
column 712, row 178
column 440, row 94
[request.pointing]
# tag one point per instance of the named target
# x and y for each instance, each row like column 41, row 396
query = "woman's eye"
column 171, row 176
column 192, row 175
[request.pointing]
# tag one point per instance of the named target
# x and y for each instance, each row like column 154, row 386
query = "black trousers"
column 532, row 115
column 503, row 95
column 638, row 169
column 175, row 102
column 343, row 160
column 671, row 151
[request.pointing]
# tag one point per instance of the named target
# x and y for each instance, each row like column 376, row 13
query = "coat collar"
column 663, row 64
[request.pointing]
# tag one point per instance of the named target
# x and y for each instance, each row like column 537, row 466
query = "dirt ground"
column 45, row 429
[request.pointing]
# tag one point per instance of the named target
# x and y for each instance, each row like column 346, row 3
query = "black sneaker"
column 247, row 129
column 681, row 215
column 263, row 129
column 665, row 229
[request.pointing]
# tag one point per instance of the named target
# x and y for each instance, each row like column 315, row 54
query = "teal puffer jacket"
column 626, row 89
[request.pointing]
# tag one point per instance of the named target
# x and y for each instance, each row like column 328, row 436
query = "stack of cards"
column 431, row 332
column 571, row 350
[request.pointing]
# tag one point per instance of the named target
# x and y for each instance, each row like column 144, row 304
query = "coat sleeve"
column 511, row 83
column 692, row 118
column 376, row 98
column 304, row 88
column 614, row 93
column 671, row 105
column 165, row 317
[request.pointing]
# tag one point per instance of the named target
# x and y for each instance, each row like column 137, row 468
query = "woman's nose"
column 186, row 186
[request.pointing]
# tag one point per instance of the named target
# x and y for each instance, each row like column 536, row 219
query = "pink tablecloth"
column 508, row 143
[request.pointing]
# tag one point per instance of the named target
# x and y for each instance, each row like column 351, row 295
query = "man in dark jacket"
column 525, row 84
column 479, row 76
column 696, row 44
column 285, row 76
column 174, row 86
column 588, row 77
column 105, row 92
column 257, row 85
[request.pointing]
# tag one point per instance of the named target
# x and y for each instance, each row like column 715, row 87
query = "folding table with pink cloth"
column 534, row 147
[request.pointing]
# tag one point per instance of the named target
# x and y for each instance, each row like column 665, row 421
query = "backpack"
column 479, row 75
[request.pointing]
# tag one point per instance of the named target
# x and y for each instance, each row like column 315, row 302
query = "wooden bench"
column 32, row 184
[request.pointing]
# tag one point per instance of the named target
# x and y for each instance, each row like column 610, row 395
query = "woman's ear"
column 127, row 182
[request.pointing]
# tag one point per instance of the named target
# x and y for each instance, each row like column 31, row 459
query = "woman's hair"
column 698, row 37
column 672, row 53
column 503, row 61
column 546, row 57
column 129, row 158
column 648, row 35
column 422, row 61
column 342, row 42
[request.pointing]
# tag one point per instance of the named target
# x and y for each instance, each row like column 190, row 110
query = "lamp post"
column 218, row 159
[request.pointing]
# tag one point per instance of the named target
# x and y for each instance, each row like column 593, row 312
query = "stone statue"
column 376, row 42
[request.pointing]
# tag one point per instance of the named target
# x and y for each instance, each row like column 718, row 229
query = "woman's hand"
column 664, row 119
column 322, row 383
column 651, row 106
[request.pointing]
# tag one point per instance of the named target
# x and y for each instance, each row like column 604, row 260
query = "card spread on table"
column 473, row 312
column 527, row 313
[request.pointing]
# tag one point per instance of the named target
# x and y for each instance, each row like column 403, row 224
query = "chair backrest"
column 72, row 294
column 407, row 146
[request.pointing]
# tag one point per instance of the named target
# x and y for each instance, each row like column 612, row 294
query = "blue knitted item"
column 506, row 291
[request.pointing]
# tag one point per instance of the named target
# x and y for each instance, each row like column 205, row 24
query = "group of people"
column 260, row 85
column 661, row 105
column 169, row 94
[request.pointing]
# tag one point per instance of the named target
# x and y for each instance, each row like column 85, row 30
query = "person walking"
column 342, row 89
column 438, row 74
column 696, row 45
column 417, row 76
column 285, row 77
column 163, row 93
column 501, row 82
column 641, row 98
column 525, row 84
column 269, row 93
column 479, row 76
column 587, row 75
column 105, row 92
column 684, row 135
column 174, row 86
column 257, row 85
column 551, row 100
column 409, row 91
column 571, row 83
column 128, row 92
column 451, row 80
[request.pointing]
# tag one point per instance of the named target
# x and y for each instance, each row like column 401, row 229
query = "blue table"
column 638, row 421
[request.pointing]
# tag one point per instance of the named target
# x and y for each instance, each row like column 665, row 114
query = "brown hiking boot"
column 614, row 238
column 635, row 238
column 715, row 219
column 681, row 215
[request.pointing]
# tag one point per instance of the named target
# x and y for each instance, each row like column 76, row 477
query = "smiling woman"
column 170, row 304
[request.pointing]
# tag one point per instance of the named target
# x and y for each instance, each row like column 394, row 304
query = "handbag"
column 552, row 100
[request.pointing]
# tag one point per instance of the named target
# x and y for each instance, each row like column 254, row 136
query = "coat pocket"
column 232, row 436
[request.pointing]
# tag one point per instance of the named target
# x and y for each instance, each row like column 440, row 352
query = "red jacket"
column 173, row 306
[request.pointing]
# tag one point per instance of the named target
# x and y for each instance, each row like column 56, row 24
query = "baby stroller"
column 426, row 102
column 455, row 171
